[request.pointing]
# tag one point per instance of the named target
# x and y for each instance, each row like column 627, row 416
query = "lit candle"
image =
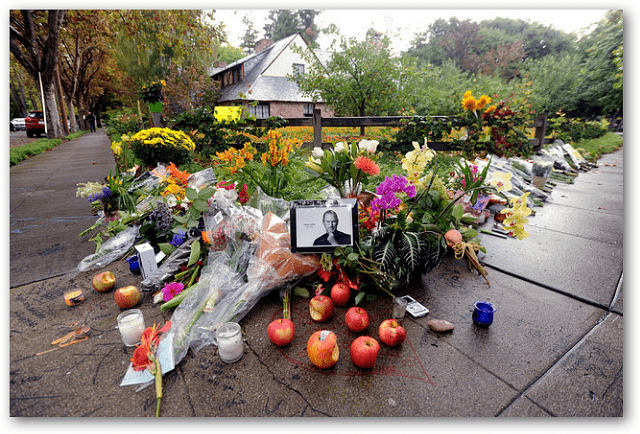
column 74, row 297
column 229, row 340
column 131, row 326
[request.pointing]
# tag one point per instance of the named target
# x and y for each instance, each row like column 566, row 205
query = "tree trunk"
column 73, row 125
column 54, row 129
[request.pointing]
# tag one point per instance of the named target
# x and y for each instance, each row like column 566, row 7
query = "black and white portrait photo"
column 323, row 225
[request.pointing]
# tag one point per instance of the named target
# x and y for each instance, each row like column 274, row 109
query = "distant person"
column 333, row 237
column 92, row 122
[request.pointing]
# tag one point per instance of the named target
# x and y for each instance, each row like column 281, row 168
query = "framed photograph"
column 319, row 226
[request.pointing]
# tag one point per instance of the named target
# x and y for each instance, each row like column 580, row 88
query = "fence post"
column 317, row 128
column 541, row 131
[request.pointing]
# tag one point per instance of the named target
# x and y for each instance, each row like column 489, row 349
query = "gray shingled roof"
column 257, row 87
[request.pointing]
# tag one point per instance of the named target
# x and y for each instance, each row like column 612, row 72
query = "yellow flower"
column 416, row 161
column 501, row 181
column 483, row 101
column 116, row 147
column 470, row 104
column 516, row 217
column 314, row 164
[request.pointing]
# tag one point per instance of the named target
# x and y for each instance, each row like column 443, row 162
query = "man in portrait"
column 333, row 237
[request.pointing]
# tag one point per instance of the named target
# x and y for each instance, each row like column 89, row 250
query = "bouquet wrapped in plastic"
column 230, row 285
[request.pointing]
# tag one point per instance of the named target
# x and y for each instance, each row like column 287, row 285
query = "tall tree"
column 284, row 22
column 250, row 35
column 601, row 87
column 362, row 78
column 34, row 41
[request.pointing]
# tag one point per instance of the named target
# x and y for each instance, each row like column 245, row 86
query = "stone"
column 440, row 325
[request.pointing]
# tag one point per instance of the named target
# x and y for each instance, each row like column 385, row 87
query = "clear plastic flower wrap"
column 226, row 290
column 265, row 203
column 519, row 185
column 111, row 250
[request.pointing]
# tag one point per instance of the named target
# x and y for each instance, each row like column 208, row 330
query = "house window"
column 298, row 68
column 308, row 109
column 260, row 111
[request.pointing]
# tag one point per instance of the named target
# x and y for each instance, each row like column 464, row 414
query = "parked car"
column 17, row 124
column 34, row 123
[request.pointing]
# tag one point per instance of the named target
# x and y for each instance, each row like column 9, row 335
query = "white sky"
column 401, row 24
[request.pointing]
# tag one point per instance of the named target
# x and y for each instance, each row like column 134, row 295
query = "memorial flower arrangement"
column 346, row 167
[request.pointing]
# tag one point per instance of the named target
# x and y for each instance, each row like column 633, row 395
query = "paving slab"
column 588, row 381
column 580, row 266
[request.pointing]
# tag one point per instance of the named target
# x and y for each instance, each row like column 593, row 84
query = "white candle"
column 229, row 339
column 131, row 326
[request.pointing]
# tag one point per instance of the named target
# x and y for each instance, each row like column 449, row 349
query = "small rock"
column 440, row 325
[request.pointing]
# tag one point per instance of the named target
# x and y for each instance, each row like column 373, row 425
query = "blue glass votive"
column 483, row 313
column 134, row 266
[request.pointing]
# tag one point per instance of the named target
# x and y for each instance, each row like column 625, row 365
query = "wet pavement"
column 555, row 347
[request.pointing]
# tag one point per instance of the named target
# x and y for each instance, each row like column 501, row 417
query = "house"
column 262, row 78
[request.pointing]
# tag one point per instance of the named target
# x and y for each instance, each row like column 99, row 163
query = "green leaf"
column 359, row 297
column 200, row 205
column 372, row 297
column 181, row 218
column 167, row 248
column 194, row 256
column 457, row 212
column 206, row 193
column 353, row 257
column 301, row 292
column 191, row 194
column 179, row 228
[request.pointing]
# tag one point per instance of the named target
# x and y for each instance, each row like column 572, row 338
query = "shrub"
column 123, row 121
column 162, row 145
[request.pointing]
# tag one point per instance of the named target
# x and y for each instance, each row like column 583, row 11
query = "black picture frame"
column 307, row 228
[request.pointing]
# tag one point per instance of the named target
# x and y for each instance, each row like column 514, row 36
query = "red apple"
column 281, row 331
column 320, row 308
column 391, row 333
column 340, row 294
column 364, row 352
column 322, row 349
column 104, row 281
column 127, row 296
column 357, row 319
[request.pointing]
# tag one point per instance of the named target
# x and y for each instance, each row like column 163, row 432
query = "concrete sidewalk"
column 555, row 347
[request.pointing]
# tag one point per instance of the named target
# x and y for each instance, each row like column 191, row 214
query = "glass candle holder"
column 483, row 313
column 399, row 307
column 229, row 341
column 131, row 326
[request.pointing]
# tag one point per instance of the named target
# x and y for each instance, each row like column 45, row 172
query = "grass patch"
column 593, row 149
column 21, row 153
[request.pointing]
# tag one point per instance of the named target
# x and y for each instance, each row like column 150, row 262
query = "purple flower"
column 178, row 238
column 387, row 191
column 170, row 290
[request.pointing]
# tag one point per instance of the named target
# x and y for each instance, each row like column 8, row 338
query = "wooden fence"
column 317, row 122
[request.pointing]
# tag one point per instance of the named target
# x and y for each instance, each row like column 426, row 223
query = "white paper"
column 167, row 363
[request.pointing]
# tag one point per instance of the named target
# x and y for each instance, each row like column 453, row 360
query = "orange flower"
column 205, row 237
column 367, row 165
column 182, row 176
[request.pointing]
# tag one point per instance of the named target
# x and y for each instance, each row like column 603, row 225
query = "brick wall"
column 295, row 109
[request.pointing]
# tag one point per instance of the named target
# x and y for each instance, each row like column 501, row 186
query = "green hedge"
column 21, row 153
